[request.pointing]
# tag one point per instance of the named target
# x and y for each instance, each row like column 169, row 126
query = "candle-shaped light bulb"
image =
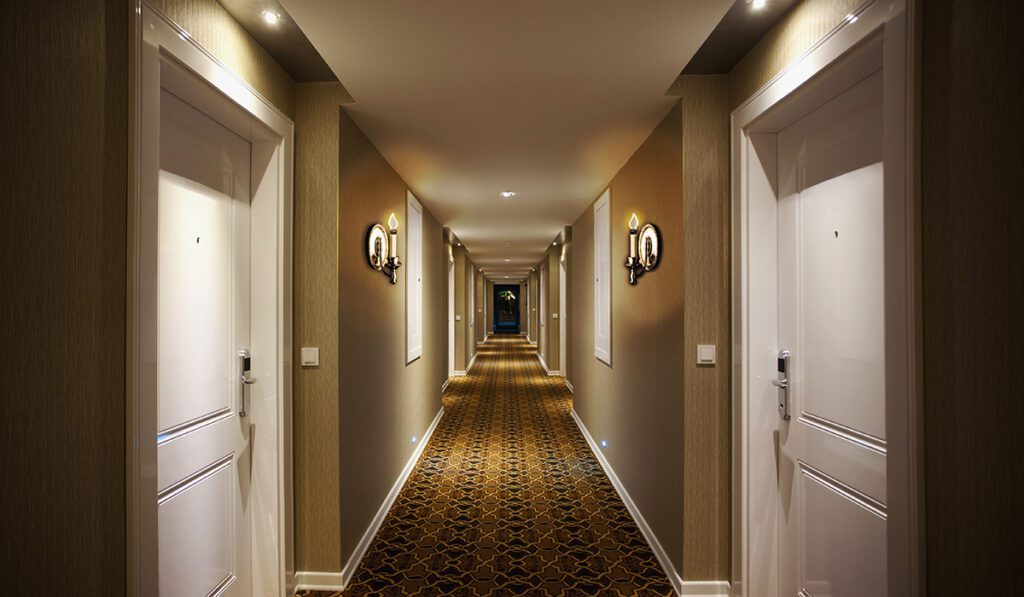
column 393, row 224
column 633, row 223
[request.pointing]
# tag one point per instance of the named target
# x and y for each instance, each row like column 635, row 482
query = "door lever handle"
column 244, row 368
column 783, row 383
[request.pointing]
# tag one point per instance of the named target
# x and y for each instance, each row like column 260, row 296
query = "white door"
column 203, row 461
column 832, row 463
column 562, row 340
column 451, row 319
column 542, row 308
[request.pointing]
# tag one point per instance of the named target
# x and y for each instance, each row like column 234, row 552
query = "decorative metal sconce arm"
column 644, row 249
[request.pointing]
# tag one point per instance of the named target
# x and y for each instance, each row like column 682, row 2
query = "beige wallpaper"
column 636, row 404
column 706, row 320
column 800, row 29
column 383, row 400
column 63, row 240
column 973, row 289
column 317, row 493
column 212, row 27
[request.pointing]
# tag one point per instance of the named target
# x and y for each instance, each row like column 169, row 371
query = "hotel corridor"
column 507, row 498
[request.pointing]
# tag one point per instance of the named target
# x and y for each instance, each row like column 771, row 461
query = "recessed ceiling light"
column 508, row 261
column 506, row 277
column 757, row 4
column 271, row 17
column 507, row 194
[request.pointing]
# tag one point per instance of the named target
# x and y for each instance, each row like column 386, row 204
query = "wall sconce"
column 382, row 248
column 644, row 245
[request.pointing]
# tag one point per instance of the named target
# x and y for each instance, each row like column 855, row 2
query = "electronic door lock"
column 782, row 383
column 244, row 376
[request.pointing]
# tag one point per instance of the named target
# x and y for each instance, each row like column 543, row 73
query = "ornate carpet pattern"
column 507, row 499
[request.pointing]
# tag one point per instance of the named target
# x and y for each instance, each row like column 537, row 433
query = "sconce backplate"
column 648, row 246
column 377, row 246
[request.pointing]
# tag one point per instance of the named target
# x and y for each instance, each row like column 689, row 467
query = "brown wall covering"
column 212, row 27
column 795, row 33
column 973, row 291
column 383, row 401
column 317, row 491
column 63, row 239
column 637, row 403
column 706, row 320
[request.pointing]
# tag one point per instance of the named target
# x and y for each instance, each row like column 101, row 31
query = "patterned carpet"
column 507, row 499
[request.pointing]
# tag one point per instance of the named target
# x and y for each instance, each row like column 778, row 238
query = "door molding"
column 204, row 81
column 893, row 23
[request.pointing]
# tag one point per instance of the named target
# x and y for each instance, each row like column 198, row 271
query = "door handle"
column 244, row 376
column 782, row 383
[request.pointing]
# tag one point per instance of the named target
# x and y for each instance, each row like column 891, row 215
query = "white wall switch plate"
column 458, row 318
column 310, row 356
column 554, row 316
column 705, row 354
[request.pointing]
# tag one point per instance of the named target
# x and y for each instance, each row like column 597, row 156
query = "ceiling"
column 283, row 40
column 738, row 32
column 467, row 98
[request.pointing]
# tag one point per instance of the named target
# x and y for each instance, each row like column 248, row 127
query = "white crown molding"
column 714, row 588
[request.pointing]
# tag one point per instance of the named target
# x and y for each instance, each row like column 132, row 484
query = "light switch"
column 705, row 354
column 554, row 316
column 310, row 356
column 458, row 318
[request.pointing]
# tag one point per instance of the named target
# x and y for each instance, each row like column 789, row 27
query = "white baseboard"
column 444, row 386
column 713, row 588
column 472, row 362
column 544, row 364
column 318, row 581
column 336, row 581
column 569, row 385
column 705, row 588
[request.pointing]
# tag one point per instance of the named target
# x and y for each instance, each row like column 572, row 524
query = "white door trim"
column 155, row 39
column 896, row 22
column 562, row 306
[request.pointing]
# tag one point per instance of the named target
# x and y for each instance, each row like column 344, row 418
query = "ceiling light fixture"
column 507, row 194
column 508, row 261
column 271, row 17
column 757, row 4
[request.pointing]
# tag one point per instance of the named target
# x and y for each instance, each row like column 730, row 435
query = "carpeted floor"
column 507, row 499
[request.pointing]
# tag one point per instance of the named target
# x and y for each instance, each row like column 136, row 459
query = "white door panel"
column 831, row 467
column 203, row 320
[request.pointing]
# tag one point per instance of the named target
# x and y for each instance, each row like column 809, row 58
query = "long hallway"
column 507, row 499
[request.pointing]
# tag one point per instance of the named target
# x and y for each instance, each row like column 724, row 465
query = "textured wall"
column 971, row 214
column 212, row 27
column 383, row 401
column 794, row 34
column 706, row 320
column 637, row 403
column 63, row 239
column 317, row 498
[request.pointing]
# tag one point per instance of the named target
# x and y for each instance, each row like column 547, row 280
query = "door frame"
column 562, row 306
column 218, row 91
column 451, row 315
column 822, row 70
